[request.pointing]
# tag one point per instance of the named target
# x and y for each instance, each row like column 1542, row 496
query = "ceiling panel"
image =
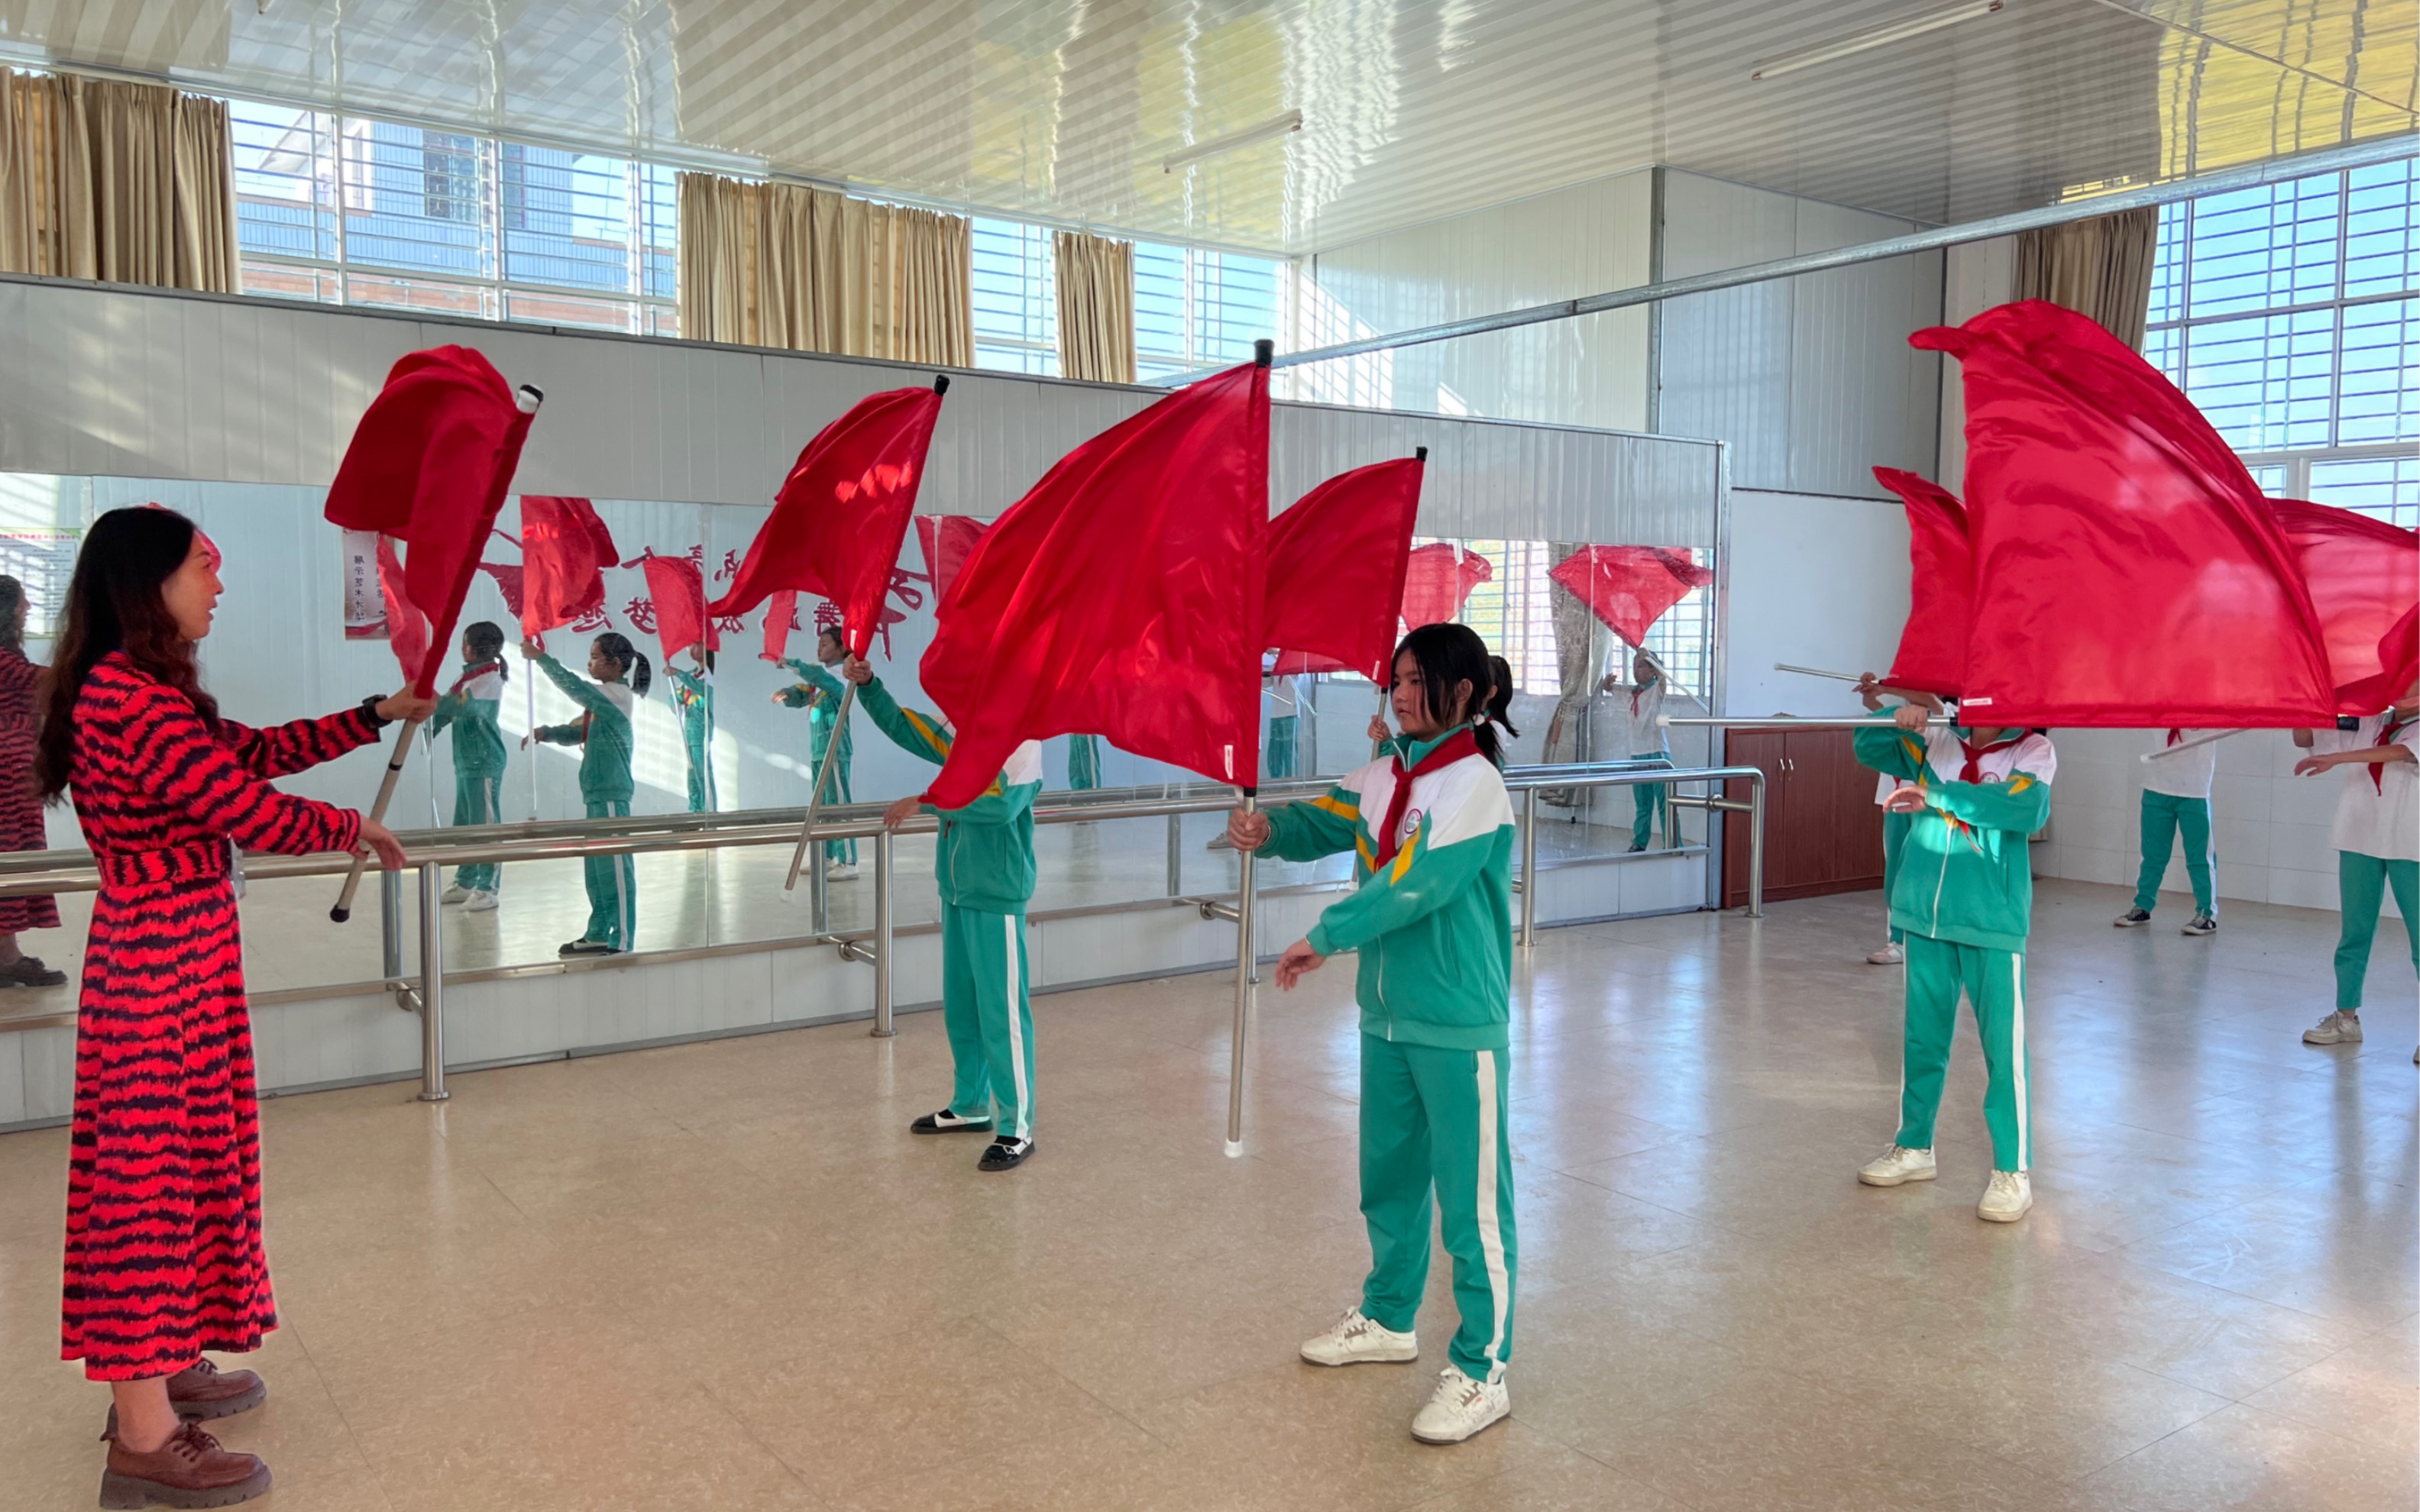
column 1413, row 109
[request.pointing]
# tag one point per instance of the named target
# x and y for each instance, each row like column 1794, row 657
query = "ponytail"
column 485, row 640
column 1500, row 702
column 632, row 661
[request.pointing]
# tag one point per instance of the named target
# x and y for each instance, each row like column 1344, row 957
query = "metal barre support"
column 882, row 1027
column 432, row 983
column 1529, row 868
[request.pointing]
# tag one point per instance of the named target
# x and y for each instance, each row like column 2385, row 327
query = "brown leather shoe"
column 202, row 1391
column 189, row 1470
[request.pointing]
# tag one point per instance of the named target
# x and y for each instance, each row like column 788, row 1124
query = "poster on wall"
column 43, row 558
column 365, row 607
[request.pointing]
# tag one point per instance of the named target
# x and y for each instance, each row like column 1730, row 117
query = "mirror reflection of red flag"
column 2363, row 575
column 407, row 628
column 2127, row 572
column 1629, row 587
column 1337, row 561
column 841, row 513
column 1437, row 580
column 781, row 618
column 565, row 551
column 429, row 465
column 1120, row 597
column 677, row 587
column 947, row 541
column 1932, row 648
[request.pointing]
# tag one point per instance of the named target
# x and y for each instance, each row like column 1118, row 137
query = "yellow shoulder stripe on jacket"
column 924, row 727
column 2021, row 781
column 1362, row 848
column 1404, row 856
column 1329, row 803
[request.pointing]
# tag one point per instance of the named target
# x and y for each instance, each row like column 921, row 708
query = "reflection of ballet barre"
column 1793, row 721
column 2188, row 744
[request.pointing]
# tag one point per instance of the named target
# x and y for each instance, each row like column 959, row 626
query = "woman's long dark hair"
column 1500, row 702
column 113, row 604
column 1448, row 654
column 485, row 640
column 12, row 614
column 629, row 657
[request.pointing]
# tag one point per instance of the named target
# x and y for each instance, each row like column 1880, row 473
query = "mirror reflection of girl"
column 20, row 807
column 693, row 700
column 818, row 692
column 1646, row 740
column 603, row 734
column 468, row 709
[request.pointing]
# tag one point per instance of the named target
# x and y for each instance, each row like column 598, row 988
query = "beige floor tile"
column 2243, row 1460
column 2364, row 1391
column 1576, row 1484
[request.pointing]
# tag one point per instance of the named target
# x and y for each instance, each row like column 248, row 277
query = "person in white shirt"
column 2378, row 845
column 1646, row 741
column 2176, row 797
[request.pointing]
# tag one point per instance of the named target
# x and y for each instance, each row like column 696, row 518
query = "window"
column 1196, row 308
column 2289, row 315
column 1016, row 298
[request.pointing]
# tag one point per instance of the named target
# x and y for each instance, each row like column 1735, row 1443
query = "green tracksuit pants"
column 1083, row 762
column 1895, row 827
column 701, row 777
column 1433, row 1124
column 990, row 1022
column 1648, row 799
column 1994, row 983
column 1278, row 760
column 2163, row 815
column 479, row 799
column 836, row 793
column 612, row 886
column 2361, row 882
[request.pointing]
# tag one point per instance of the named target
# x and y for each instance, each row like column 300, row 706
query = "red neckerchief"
column 2386, row 733
column 2175, row 736
column 1453, row 749
column 1972, row 770
column 471, row 675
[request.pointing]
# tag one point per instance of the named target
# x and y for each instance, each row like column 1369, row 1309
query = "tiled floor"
column 723, row 1276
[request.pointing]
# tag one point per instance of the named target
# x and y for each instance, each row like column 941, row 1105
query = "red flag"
column 2127, row 571
column 508, row 582
column 781, row 618
column 429, row 465
column 677, row 586
column 565, row 551
column 1121, row 598
column 407, row 630
column 2364, row 581
column 1437, row 579
column 1932, row 648
column 947, row 540
column 1629, row 587
column 1336, row 567
column 841, row 514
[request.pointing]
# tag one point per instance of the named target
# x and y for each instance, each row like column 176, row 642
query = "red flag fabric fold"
column 781, row 618
column 2363, row 575
column 407, row 628
column 947, row 541
column 841, row 513
column 1437, row 580
column 1630, row 587
column 429, row 465
column 1120, row 597
column 1932, row 648
column 565, row 551
column 1337, row 561
column 2127, row 572
column 677, row 587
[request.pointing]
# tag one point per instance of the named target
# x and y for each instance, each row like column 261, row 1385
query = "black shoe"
column 28, row 971
column 1004, row 1154
column 2131, row 917
column 2201, row 924
column 946, row 1121
column 585, row 947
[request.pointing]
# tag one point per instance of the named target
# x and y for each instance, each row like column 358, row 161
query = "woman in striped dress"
column 163, row 1244
column 21, row 808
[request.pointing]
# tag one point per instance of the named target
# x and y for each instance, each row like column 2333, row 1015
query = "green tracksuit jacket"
column 985, row 857
column 1964, row 873
column 823, row 719
column 1434, row 927
column 694, row 696
column 471, row 714
column 603, row 732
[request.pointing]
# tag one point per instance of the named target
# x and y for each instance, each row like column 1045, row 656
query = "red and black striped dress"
column 164, row 1247
column 21, row 806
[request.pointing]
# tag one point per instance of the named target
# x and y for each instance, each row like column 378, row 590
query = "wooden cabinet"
column 1822, row 831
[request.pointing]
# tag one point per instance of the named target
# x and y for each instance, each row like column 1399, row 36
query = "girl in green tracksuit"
column 1430, row 827
column 983, row 864
column 1083, row 762
column 603, row 734
column 1963, row 900
column 694, row 698
column 468, row 709
column 818, row 692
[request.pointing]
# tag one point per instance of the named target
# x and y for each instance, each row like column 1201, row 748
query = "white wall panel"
column 1816, row 582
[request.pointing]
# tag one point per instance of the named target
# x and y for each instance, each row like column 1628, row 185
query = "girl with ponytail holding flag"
column 603, row 735
column 468, row 709
column 1964, row 901
column 1431, row 827
column 2378, row 845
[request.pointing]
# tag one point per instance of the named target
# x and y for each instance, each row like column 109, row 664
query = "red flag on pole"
column 2127, row 570
column 2363, row 575
column 841, row 513
column 407, row 630
column 429, row 465
column 1337, row 561
column 1629, row 587
column 1932, row 648
column 1121, row 598
column 1437, row 580
column 565, row 551
column 947, row 541
column 677, row 587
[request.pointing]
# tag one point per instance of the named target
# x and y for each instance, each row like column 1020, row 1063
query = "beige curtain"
column 786, row 265
column 125, row 182
column 1097, row 327
column 2100, row 268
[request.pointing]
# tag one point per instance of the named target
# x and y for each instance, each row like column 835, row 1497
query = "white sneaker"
column 1356, row 1340
column 2008, row 1197
column 1461, row 1407
column 2343, row 1026
column 1892, row 954
column 456, row 893
column 1897, row 1166
column 481, row 902
column 840, row 871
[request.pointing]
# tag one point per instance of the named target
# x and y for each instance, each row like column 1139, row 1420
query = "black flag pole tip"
column 1419, row 453
column 1262, row 351
column 340, row 915
column 940, row 383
